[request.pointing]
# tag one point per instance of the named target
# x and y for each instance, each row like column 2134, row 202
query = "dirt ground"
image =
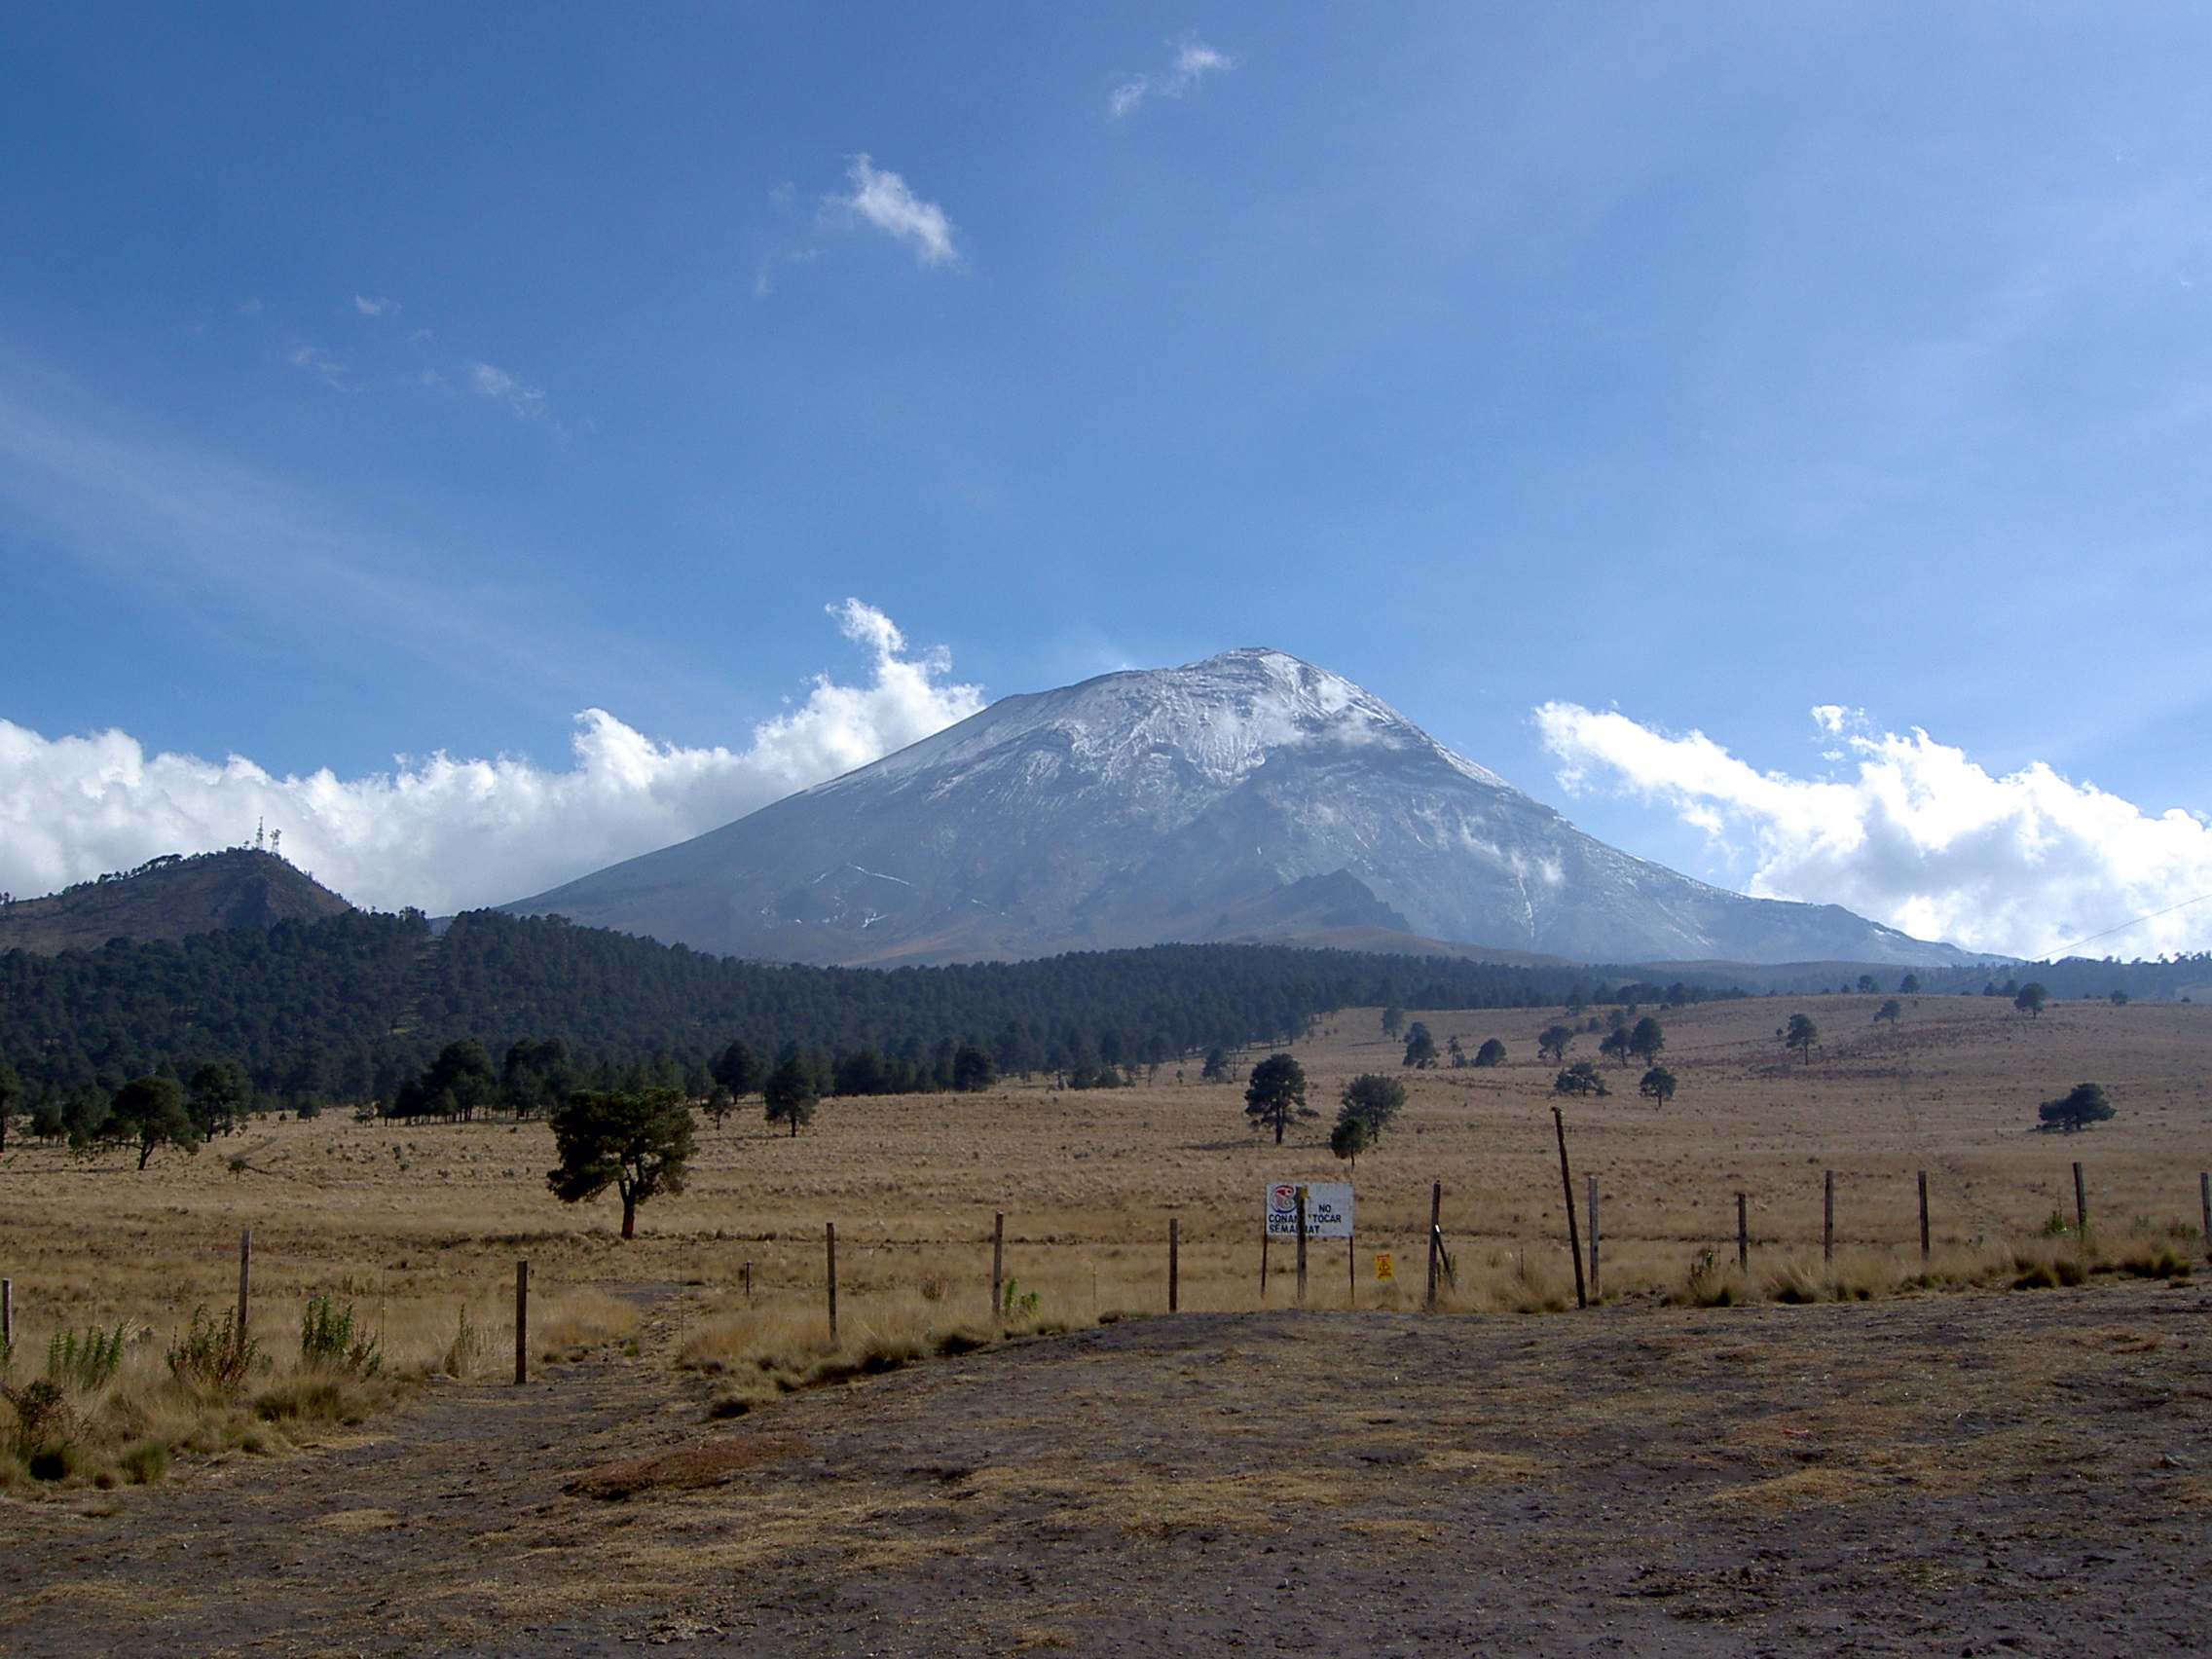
column 1987, row 1473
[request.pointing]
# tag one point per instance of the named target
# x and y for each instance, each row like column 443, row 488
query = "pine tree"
column 1275, row 1093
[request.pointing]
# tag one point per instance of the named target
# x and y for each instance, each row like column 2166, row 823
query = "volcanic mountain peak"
column 1250, row 795
column 1222, row 718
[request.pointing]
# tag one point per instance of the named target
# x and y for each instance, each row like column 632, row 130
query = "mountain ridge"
column 172, row 897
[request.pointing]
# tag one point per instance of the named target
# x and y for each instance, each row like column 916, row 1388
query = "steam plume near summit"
column 445, row 833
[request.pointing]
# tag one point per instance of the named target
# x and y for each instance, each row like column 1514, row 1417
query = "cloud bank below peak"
column 1920, row 837
column 444, row 834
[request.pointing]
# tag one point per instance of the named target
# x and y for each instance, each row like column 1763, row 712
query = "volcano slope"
column 1976, row 1474
column 1251, row 796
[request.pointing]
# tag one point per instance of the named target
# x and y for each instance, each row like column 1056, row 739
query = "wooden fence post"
column 1828, row 1218
column 1924, row 1217
column 1175, row 1264
column 246, row 1281
column 830, row 1239
column 748, row 1281
column 1302, row 1244
column 1435, row 1238
column 7, row 1317
column 1573, row 1235
column 2204, row 1195
column 2080, row 1202
column 1593, row 1220
column 522, row 1323
column 1263, row 1256
column 1743, row 1234
column 998, row 1262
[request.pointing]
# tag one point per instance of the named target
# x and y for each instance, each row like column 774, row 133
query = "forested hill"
column 348, row 1008
column 169, row 898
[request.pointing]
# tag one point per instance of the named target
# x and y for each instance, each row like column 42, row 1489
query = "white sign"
column 1328, row 1210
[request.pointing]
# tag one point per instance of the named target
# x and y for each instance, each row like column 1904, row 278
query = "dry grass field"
column 419, row 1226
column 418, row 1223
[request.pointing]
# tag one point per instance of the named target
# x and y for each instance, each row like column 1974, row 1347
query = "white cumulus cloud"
column 445, row 833
column 1920, row 837
column 883, row 201
column 1193, row 61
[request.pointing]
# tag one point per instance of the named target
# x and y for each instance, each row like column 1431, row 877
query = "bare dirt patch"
column 703, row 1463
column 1978, row 1474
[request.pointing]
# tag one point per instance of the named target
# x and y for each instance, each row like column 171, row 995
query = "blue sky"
column 404, row 380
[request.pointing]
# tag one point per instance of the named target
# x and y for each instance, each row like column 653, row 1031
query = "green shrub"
column 327, row 1342
column 45, row 1438
column 213, row 1357
column 85, row 1359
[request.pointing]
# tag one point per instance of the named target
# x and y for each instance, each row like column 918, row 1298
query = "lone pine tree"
column 1275, row 1093
column 635, row 1141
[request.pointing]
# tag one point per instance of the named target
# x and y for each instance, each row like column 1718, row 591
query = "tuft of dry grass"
column 574, row 1323
column 762, row 1353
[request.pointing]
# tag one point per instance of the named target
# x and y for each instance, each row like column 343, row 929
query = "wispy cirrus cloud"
column 1920, row 837
column 524, row 402
column 152, row 512
column 326, row 368
column 414, row 358
column 1193, row 61
column 882, row 199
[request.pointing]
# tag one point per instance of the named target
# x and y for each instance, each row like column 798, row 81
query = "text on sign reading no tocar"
column 1328, row 1210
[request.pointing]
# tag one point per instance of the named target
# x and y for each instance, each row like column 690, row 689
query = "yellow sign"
column 1386, row 1267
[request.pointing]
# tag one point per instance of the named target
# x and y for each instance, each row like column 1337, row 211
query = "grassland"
column 642, row 1343
column 420, row 1223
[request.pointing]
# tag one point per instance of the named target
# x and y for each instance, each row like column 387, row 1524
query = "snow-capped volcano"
column 1250, row 795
